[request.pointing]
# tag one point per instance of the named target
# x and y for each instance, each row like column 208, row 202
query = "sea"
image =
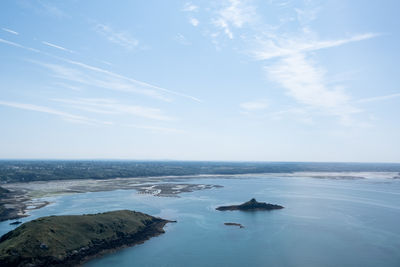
column 329, row 219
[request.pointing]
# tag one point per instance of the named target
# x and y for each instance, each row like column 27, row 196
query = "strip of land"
column 16, row 199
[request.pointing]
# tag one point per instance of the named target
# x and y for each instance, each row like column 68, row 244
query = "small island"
column 234, row 224
column 251, row 205
column 73, row 239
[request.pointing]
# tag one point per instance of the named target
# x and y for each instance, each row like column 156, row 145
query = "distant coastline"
column 26, row 181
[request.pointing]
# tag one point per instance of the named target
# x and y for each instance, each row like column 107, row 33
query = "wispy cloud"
column 151, row 128
column 189, row 7
column 256, row 105
column 67, row 86
column 113, row 107
column 121, row 38
column 285, row 47
column 52, row 9
column 182, row 39
column 68, row 71
column 58, row 47
column 195, row 22
column 306, row 83
column 91, row 78
column 301, row 115
column 43, row 109
column 10, row 31
column 303, row 79
column 378, row 98
column 140, row 83
column 19, row 46
column 235, row 14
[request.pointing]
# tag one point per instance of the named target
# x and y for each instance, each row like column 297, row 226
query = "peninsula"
column 251, row 205
column 73, row 239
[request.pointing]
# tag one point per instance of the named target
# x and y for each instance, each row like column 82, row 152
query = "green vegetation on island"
column 72, row 239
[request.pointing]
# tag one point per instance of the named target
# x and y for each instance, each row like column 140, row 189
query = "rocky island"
column 234, row 224
column 73, row 239
column 251, row 205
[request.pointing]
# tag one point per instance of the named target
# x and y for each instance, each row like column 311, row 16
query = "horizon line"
column 190, row 160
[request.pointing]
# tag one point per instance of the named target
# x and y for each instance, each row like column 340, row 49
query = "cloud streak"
column 43, row 109
column 10, row 31
column 123, row 39
column 19, row 46
column 155, row 128
column 378, row 98
column 113, row 107
column 283, row 47
column 103, row 71
column 58, row 47
column 189, row 7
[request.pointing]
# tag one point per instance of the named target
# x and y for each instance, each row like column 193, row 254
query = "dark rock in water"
column 71, row 240
column 43, row 246
column 15, row 223
column 251, row 205
column 234, row 224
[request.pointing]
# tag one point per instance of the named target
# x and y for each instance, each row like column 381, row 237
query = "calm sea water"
column 325, row 223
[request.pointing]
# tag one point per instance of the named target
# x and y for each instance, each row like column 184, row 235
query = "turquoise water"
column 324, row 223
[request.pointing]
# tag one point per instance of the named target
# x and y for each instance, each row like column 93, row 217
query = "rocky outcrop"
column 234, row 224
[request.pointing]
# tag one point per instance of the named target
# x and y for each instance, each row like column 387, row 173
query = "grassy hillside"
column 65, row 240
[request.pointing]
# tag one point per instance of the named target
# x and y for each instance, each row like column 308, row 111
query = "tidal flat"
column 24, row 197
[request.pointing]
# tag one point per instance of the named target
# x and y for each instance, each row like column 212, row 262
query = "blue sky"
column 200, row 80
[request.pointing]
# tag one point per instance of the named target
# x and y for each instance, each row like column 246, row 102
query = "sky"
column 226, row 80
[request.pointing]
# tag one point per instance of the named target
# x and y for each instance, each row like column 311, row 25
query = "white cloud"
column 51, row 9
column 93, row 79
column 123, row 38
column 285, row 47
column 18, row 45
column 189, row 7
column 10, row 31
column 64, row 115
column 113, row 107
column 378, row 98
column 155, row 128
column 182, row 39
column 138, row 83
column 67, row 86
column 195, row 22
column 306, row 83
column 58, row 47
column 254, row 105
column 235, row 15
column 298, row 114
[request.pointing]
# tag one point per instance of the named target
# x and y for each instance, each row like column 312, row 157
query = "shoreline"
column 155, row 231
column 24, row 197
column 102, row 233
